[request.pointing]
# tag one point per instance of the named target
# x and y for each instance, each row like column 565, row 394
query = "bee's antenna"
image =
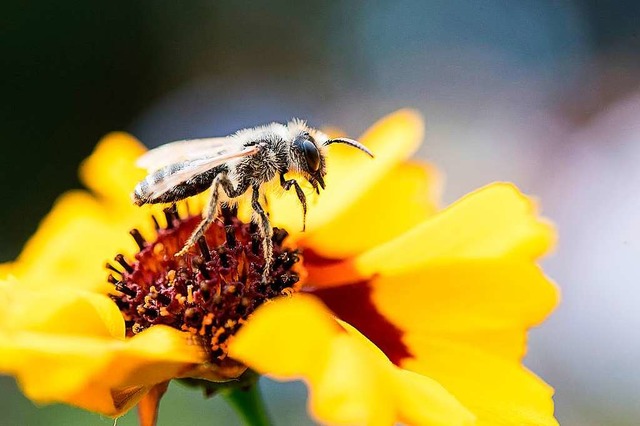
column 352, row 143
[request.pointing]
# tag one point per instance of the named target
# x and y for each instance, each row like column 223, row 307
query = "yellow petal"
column 498, row 391
column 350, row 173
column 52, row 368
column 487, row 304
column 93, row 372
column 61, row 312
column 72, row 244
column 350, row 390
column 414, row 391
column 265, row 331
column 69, row 346
column 110, row 171
column 492, row 294
column 350, row 381
column 403, row 198
column 493, row 222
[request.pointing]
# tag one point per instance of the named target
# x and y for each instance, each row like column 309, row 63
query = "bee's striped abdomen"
column 155, row 182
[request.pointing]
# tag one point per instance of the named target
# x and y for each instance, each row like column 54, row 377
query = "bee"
column 234, row 165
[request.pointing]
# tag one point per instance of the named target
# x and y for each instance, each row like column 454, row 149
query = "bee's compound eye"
column 312, row 155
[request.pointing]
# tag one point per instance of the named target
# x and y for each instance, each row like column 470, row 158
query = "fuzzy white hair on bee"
column 234, row 165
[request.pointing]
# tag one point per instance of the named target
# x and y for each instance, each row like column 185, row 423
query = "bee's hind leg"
column 211, row 211
column 208, row 216
column 265, row 230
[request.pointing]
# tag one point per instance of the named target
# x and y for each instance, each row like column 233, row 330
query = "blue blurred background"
column 545, row 94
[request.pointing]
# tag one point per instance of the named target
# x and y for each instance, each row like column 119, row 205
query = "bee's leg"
column 315, row 186
column 210, row 213
column 286, row 184
column 265, row 231
column 208, row 216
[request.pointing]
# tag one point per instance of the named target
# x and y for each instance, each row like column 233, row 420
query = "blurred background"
column 545, row 94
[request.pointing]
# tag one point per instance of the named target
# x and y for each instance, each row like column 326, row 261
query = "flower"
column 396, row 310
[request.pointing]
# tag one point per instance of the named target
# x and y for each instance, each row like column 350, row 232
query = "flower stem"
column 248, row 403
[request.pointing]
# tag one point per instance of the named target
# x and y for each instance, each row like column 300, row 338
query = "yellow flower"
column 403, row 312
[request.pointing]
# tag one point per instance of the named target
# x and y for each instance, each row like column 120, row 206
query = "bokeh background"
column 542, row 93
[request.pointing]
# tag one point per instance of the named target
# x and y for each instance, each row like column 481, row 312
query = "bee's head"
column 308, row 158
column 308, row 151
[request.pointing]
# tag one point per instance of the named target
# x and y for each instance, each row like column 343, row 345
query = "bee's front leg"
column 265, row 230
column 286, row 184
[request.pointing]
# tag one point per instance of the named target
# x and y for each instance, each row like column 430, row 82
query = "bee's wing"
column 186, row 150
column 171, row 175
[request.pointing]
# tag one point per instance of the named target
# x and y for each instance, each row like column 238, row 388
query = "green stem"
column 248, row 403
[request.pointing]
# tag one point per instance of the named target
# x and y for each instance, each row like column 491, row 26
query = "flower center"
column 209, row 292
